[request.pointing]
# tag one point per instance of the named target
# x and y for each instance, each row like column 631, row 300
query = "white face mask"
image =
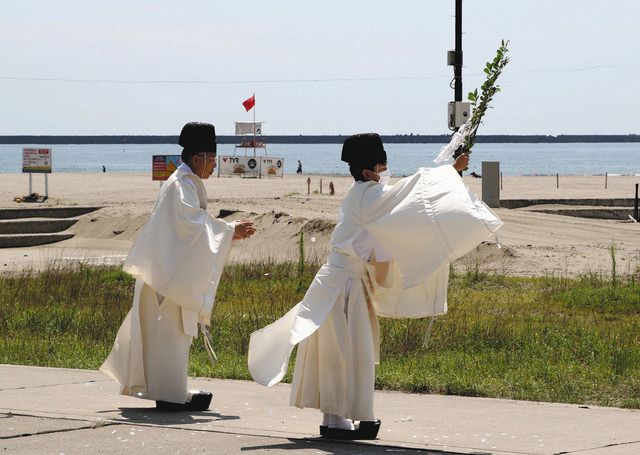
column 384, row 177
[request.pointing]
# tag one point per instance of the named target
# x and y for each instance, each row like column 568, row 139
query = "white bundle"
column 448, row 150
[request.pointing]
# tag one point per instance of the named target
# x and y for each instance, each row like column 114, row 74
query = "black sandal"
column 199, row 401
column 365, row 430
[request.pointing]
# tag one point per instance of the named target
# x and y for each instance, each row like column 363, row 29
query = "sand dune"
column 530, row 243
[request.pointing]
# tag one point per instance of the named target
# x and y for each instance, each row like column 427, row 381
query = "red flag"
column 249, row 103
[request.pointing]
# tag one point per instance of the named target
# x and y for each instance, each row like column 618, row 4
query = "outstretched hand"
column 462, row 162
column 243, row 229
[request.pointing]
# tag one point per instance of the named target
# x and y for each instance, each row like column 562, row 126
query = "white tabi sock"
column 335, row 421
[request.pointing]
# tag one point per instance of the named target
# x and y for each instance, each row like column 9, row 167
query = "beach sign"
column 38, row 161
column 250, row 166
column 35, row 160
column 246, row 166
column 164, row 165
column 271, row 167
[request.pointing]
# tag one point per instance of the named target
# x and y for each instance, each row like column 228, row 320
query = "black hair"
column 356, row 171
column 185, row 156
column 363, row 151
column 357, row 168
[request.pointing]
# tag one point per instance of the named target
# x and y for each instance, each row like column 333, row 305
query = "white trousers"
column 335, row 367
column 165, row 348
column 150, row 356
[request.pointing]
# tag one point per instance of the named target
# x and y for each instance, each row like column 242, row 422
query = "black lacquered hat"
column 363, row 150
column 197, row 137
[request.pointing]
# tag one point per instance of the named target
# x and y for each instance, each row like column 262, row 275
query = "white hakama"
column 335, row 366
column 177, row 260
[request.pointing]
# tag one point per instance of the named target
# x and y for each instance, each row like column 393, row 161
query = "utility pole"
column 458, row 111
column 457, row 66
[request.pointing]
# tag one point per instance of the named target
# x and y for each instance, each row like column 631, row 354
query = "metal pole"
column 606, row 176
column 30, row 184
column 46, row 185
column 457, row 68
column 254, row 126
column 557, row 180
column 635, row 206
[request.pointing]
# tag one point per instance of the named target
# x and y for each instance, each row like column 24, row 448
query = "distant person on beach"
column 299, row 170
column 177, row 261
column 104, row 169
column 332, row 189
column 389, row 256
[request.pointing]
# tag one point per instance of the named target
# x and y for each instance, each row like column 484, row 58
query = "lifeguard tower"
column 246, row 164
column 250, row 134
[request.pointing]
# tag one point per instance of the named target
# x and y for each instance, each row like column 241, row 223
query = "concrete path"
column 59, row 411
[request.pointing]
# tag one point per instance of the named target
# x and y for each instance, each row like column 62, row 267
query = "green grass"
column 547, row 339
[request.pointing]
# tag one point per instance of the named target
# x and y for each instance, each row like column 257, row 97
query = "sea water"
column 403, row 159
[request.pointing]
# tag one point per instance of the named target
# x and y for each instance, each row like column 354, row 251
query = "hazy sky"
column 575, row 65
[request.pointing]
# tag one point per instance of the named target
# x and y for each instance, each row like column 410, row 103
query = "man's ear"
column 370, row 175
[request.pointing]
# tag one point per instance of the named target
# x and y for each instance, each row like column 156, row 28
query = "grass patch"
column 544, row 339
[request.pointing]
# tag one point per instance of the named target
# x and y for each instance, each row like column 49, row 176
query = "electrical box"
column 454, row 58
column 458, row 113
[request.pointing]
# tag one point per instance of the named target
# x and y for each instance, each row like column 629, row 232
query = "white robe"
column 424, row 222
column 177, row 261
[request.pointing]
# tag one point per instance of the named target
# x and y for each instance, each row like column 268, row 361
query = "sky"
column 72, row 67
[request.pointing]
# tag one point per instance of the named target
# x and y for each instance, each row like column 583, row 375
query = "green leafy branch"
column 480, row 102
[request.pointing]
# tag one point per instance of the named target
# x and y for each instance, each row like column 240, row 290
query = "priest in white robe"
column 177, row 260
column 389, row 256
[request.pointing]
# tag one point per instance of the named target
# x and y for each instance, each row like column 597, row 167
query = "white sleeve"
column 181, row 250
column 427, row 220
column 367, row 246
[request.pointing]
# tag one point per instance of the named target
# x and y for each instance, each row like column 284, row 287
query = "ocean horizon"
column 516, row 159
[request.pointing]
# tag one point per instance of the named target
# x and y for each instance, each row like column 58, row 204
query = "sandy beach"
column 530, row 243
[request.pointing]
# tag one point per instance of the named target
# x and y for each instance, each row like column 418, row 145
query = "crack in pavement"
column 89, row 426
column 586, row 451
column 39, row 433
column 243, row 431
column 54, row 385
column 277, row 434
column 258, row 433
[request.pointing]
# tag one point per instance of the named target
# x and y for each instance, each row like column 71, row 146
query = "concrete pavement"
column 61, row 411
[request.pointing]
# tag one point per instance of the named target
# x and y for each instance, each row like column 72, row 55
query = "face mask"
column 384, row 177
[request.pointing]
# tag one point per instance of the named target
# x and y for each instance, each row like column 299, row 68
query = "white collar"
column 184, row 167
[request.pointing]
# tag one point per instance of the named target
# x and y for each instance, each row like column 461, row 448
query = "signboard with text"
column 36, row 160
column 164, row 165
column 271, row 167
column 247, row 166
